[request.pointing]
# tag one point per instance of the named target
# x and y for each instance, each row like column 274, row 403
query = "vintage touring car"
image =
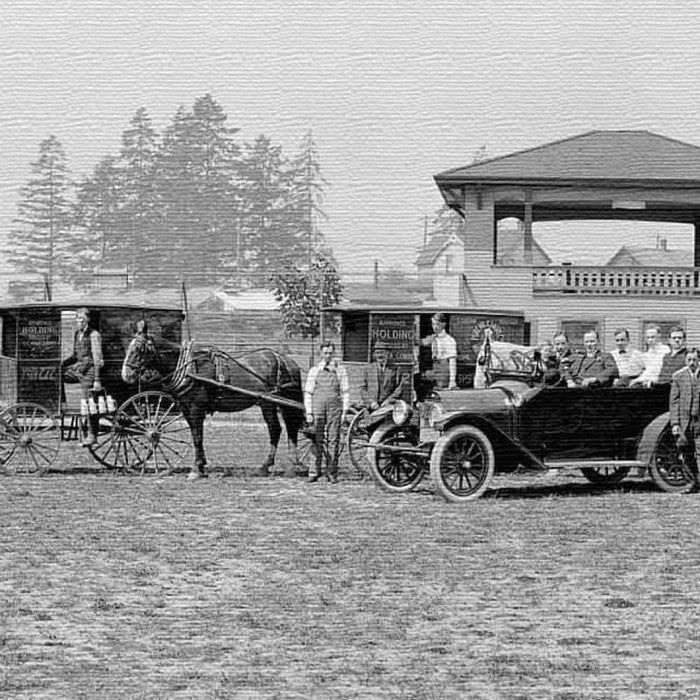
column 464, row 437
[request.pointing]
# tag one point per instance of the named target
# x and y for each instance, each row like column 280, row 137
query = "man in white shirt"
column 326, row 402
column 629, row 361
column 653, row 358
column 444, row 353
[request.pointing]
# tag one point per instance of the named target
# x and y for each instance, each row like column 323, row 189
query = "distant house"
column 638, row 256
column 440, row 265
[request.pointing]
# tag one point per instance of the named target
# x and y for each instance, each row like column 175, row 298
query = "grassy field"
column 118, row 586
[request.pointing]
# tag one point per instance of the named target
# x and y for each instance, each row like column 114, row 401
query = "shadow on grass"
column 570, row 489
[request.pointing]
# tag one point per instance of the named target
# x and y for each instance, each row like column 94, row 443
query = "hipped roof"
column 622, row 157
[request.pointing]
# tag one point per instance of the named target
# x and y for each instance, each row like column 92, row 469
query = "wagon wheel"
column 394, row 471
column 608, row 474
column 462, row 463
column 668, row 469
column 110, row 448
column 356, row 438
column 150, row 435
column 29, row 439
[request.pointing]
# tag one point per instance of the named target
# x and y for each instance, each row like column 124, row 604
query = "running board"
column 598, row 464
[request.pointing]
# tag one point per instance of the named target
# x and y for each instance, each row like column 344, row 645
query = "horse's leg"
column 274, row 429
column 194, row 415
column 293, row 421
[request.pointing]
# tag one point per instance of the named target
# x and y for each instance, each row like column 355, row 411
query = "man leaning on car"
column 595, row 368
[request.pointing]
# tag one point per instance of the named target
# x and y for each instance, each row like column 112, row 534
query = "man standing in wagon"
column 84, row 365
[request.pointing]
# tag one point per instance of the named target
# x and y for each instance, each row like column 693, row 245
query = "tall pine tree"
column 306, row 196
column 135, row 245
column 44, row 215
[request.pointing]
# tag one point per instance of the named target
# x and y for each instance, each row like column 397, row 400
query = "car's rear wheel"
column 462, row 463
column 608, row 474
column 393, row 470
column 668, row 469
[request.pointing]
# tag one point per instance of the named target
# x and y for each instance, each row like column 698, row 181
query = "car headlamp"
column 435, row 414
column 401, row 412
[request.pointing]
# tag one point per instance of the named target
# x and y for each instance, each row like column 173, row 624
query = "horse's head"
column 141, row 361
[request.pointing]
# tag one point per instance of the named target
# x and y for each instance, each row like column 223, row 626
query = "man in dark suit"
column 382, row 382
column 675, row 360
column 684, row 408
column 595, row 368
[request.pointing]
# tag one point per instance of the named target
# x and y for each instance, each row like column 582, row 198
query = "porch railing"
column 667, row 281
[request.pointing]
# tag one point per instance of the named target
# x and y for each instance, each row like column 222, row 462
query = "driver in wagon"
column 84, row 364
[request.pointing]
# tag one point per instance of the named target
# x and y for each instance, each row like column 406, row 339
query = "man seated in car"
column 382, row 383
column 629, row 361
column 675, row 359
column 595, row 368
column 653, row 357
column 558, row 363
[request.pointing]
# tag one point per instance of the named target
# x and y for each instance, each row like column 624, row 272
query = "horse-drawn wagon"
column 136, row 430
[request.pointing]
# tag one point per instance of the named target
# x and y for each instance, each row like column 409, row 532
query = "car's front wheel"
column 462, row 463
column 392, row 469
column 668, row 469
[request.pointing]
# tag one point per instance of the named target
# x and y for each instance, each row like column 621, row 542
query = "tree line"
column 192, row 201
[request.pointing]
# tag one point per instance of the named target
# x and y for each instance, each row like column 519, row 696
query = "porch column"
column 696, row 244
column 527, row 233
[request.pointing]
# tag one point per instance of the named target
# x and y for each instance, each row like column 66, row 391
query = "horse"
column 198, row 377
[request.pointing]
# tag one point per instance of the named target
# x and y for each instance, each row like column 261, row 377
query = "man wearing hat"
column 684, row 408
column 382, row 383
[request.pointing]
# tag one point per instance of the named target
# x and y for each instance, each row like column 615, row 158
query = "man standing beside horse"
column 326, row 402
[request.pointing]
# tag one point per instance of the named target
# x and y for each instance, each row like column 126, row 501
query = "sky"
column 394, row 92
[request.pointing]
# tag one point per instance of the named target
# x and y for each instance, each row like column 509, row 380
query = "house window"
column 449, row 263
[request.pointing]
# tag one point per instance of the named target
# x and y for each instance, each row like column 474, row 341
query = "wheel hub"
column 25, row 440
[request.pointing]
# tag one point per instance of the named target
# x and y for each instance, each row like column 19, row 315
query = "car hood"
column 502, row 396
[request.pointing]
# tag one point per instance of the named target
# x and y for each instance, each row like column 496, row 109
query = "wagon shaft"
column 261, row 396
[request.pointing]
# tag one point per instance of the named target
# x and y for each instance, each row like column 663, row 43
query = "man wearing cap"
column 382, row 383
column 326, row 402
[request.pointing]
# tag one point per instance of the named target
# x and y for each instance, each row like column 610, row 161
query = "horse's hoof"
column 195, row 476
column 260, row 471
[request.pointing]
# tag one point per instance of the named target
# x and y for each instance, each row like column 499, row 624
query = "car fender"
column 500, row 440
column 650, row 437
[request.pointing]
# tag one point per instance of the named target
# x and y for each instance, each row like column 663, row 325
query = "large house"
column 602, row 176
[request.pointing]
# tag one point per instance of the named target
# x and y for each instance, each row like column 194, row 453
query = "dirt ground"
column 143, row 587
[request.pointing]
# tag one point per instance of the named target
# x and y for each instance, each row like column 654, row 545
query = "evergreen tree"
column 135, row 245
column 44, row 215
column 267, row 223
column 195, row 183
column 96, row 236
column 306, row 195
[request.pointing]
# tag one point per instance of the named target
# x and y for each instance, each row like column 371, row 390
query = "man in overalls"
column 326, row 402
column 84, row 365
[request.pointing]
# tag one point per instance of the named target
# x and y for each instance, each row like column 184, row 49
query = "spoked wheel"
column 394, row 470
column 609, row 474
column 110, row 446
column 668, row 468
column 29, row 439
column 462, row 463
column 150, row 434
column 356, row 439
